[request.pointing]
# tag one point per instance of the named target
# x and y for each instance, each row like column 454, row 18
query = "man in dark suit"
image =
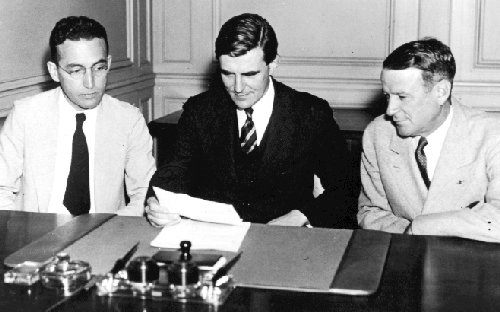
column 256, row 143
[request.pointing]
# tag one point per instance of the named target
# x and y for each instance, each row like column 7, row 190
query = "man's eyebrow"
column 251, row 73
column 101, row 61
column 225, row 71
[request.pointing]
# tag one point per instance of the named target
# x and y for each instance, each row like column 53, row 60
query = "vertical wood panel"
column 489, row 34
column 322, row 29
column 177, row 48
column 26, row 27
column 333, row 49
column 435, row 19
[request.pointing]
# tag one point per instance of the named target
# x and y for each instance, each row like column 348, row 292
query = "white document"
column 197, row 208
column 202, row 235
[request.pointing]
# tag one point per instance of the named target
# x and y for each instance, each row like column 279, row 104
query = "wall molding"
column 164, row 57
column 127, row 79
column 172, row 90
column 480, row 60
column 346, row 80
column 315, row 61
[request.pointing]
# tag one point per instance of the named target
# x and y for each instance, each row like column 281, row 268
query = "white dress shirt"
column 262, row 111
column 65, row 131
column 435, row 142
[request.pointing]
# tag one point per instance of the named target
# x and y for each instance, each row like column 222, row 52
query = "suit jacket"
column 28, row 147
column 301, row 139
column 464, row 196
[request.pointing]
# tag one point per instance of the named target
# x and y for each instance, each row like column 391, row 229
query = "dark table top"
column 422, row 273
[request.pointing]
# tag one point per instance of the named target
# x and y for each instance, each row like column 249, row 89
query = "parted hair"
column 244, row 32
column 430, row 55
column 75, row 28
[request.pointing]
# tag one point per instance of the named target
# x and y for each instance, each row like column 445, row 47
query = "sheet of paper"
column 197, row 208
column 203, row 235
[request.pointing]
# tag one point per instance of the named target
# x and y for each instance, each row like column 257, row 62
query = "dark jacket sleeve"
column 175, row 174
column 336, row 206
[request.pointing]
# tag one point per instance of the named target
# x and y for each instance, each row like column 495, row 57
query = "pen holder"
column 143, row 270
column 183, row 276
column 170, row 278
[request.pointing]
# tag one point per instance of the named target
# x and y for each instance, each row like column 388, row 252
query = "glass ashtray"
column 26, row 273
column 66, row 275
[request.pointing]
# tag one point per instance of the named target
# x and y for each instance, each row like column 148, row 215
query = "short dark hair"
column 245, row 32
column 430, row 55
column 75, row 28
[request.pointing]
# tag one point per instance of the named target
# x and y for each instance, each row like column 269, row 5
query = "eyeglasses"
column 78, row 72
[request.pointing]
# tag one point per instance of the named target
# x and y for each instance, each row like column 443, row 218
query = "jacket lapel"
column 409, row 186
column 45, row 139
column 225, row 128
column 448, row 178
column 101, row 154
column 108, row 141
column 280, row 137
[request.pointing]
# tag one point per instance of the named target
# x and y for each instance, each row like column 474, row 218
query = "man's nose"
column 88, row 79
column 238, row 84
column 393, row 105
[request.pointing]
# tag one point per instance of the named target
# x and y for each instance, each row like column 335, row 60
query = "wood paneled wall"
column 331, row 48
column 25, row 30
column 163, row 50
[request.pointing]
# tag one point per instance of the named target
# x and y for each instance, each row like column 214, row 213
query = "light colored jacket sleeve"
column 374, row 211
column 11, row 159
column 139, row 167
column 479, row 218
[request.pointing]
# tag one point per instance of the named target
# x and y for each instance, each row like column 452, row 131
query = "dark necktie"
column 248, row 139
column 77, row 195
column 422, row 160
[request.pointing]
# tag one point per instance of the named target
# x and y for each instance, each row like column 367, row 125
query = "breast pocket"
column 471, row 183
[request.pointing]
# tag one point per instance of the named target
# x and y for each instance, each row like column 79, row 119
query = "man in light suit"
column 267, row 172
column 447, row 184
column 38, row 159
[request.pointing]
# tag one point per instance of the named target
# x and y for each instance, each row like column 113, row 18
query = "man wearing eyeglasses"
column 70, row 149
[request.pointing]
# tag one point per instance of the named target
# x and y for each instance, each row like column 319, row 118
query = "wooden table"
column 421, row 274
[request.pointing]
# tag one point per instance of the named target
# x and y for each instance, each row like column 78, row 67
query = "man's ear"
column 109, row 61
column 52, row 68
column 272, row 66
column 443, row 90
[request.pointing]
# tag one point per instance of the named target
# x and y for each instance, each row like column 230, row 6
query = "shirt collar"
column 436, row 138
column 66, row 109
column 264, row 106
column 440, row 133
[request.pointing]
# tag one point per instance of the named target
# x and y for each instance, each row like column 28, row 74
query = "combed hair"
column 245, row 32
column 75, row 28
column 430, row 55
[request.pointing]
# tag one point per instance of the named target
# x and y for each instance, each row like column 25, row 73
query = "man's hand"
column 293, row 218
column 159, row 216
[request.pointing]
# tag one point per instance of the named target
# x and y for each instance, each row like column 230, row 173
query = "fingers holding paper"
column 159, row 216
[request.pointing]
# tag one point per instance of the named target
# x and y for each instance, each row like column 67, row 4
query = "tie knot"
column 80, row 118
column 249, row 112
column 422, row 143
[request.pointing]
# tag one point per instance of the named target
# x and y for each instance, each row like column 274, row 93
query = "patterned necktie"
column 422, row 160
column 77, row 195
column 248, row 139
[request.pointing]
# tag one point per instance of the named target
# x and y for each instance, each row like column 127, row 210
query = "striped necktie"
column 248, row 138
column 422, row 160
